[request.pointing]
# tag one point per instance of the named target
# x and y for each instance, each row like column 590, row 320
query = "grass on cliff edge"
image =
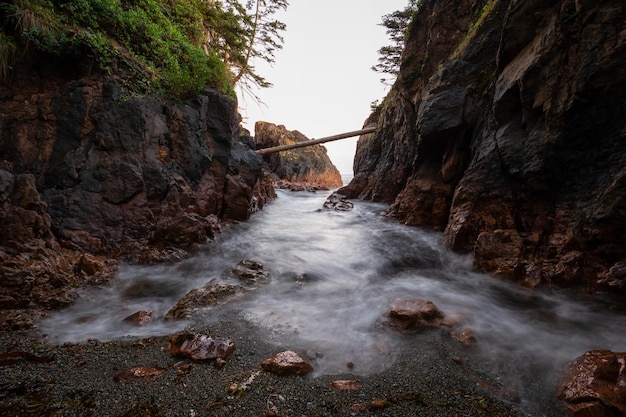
column 158, row 46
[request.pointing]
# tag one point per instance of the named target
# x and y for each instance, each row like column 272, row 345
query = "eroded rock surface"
column 87, row 175
column 300, row 169
column 200, row 347
column 232, row 285
column 596, row 385
column 505, row 130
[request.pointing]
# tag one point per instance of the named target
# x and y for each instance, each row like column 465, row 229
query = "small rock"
column 139, row 318
column 414, row 315
column 138, row 372
column 287, row 363
column 200, row 347
column 219, row 363
column 345, row 385
column 464, row 335
column 378, row 404
column 338, row 202
column 358, row 408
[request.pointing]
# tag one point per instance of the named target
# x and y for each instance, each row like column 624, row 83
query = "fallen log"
column 312, row 142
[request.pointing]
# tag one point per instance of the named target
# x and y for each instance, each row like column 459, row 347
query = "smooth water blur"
column 334, row 275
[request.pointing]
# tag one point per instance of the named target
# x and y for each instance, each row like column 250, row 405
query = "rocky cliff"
column 86, row 171
column 506, row 130
column 298, row 169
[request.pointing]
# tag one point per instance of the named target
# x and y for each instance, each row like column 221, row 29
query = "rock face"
column 596, row 385
column 301, row 168
column 84, row 169
column 505, row 130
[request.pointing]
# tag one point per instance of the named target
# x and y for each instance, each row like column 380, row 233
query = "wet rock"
column 200, row 347
column 139, row 318
column 338, row 202
column 138, row 372
column 345, row 385
column 307, row 168
column 595, row 385
column 250, row 273
column 463, row 335
column 413, row 315
column 247, row 276
column 287, row 363
column 211, row 294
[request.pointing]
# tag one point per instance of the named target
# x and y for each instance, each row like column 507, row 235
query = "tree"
column 263, row 37
column 397, row 24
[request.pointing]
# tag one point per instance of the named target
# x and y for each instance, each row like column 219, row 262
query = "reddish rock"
column 358, row 408
column 287, row 363
column 415, row 315
column 138, row 372
column 139, row 318
column 595, row 385
column 378, row 404
column 345, row 385
column 300, row 169
column 463, row 335
column 200, row 347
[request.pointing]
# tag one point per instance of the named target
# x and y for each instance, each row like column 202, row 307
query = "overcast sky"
column 323, row 82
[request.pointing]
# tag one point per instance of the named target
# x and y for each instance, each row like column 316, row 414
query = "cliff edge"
column 505, row 130
column 88, row 177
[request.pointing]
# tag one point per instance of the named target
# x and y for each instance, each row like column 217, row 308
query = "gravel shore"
column 429, row 374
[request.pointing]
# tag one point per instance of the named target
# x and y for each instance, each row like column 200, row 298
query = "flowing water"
column 334, row 275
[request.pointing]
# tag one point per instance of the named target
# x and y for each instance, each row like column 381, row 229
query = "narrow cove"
column 333, row 277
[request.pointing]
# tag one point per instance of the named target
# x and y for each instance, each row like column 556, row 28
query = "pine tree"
column 390, row 57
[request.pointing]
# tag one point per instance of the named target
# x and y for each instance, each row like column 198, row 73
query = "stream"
column 334, row 275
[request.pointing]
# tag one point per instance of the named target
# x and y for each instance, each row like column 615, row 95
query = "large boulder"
column 595, row 385
column 301, row 168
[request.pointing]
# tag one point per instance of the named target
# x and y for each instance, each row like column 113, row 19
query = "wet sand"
column 428, row 374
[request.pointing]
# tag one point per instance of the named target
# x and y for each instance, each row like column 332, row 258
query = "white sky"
column 323, row 82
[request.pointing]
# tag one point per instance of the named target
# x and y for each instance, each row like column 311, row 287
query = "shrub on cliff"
column 174, row 47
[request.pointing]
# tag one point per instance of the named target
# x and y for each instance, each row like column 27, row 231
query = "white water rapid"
column 356, row 263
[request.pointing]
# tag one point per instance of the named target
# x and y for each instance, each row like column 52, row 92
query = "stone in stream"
column 287, row 363
column 235, row 282
column 200, row 347
column 412, row 315
column 338, row 202
column 595, row 385
column 139, row 318
column 345, row 385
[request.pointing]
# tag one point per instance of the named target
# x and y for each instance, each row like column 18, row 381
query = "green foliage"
column 397, row 24
column 175, row 47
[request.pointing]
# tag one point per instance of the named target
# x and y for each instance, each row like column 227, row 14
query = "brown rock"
column 200, row 347
column 211, row 294
column 595, row 385
column 464, row 335
column 306, row 168
column 414, row 315
column 139, row 318
column 287, row 363
column 345, row 385
column 358, row 408
column 138, row 372
column 378, row 404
